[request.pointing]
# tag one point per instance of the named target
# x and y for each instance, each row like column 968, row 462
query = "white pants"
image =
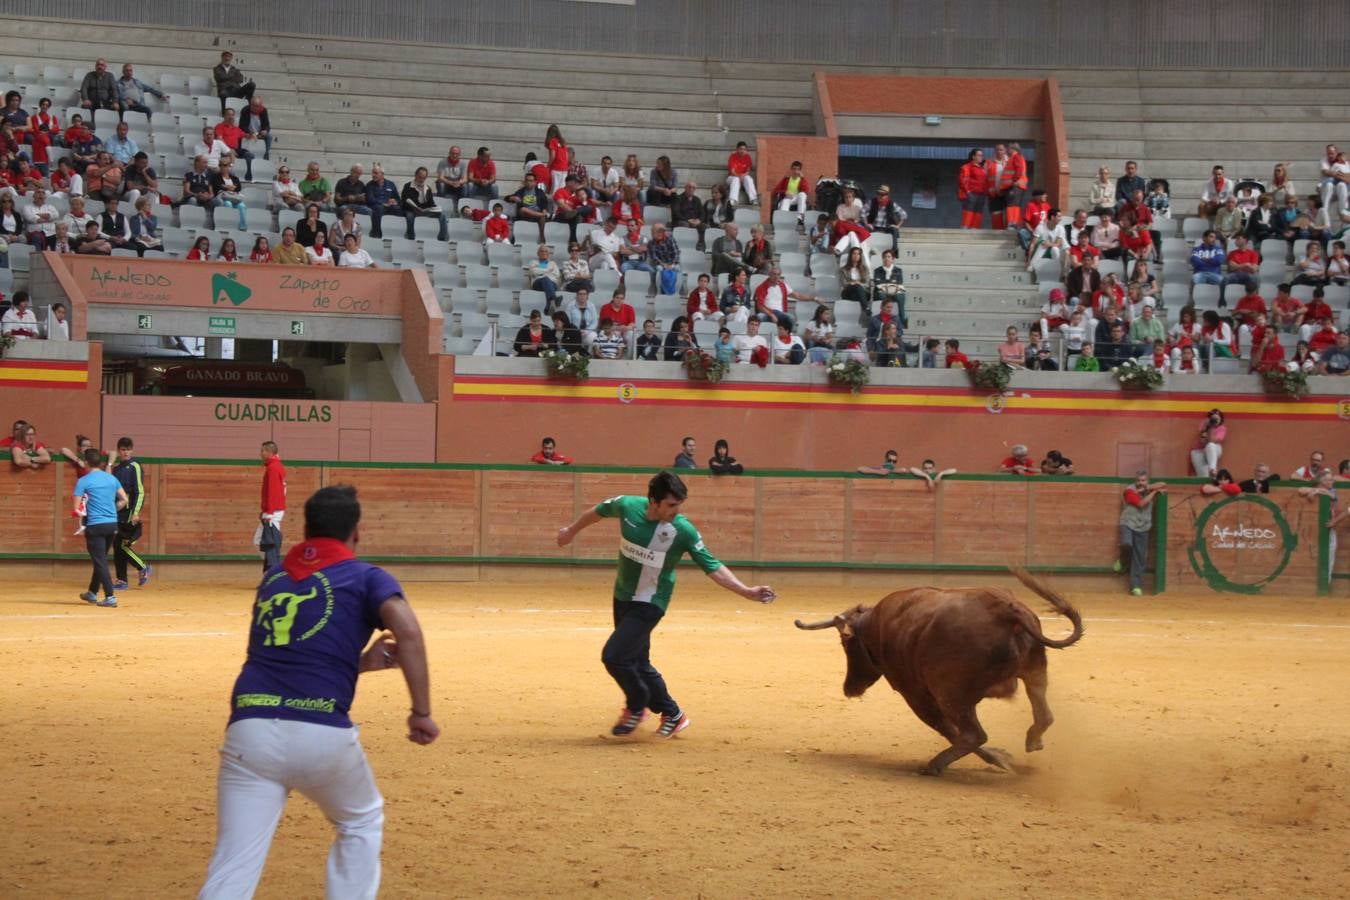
column 786, row 203
column 559, row 180
column 734, row 185
column 261, row 762
column 129, row 201
column 603, row 260
column 1206, row 461
column 1332, row 187
column 847, row 243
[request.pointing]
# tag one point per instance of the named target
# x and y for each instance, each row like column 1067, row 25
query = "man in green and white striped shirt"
column 653, row 535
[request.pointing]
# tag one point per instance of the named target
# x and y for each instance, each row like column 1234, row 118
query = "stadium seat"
column 1337, row 295
column 666, row 308
column 1274, row 248
column 172, row 83
column 706, row 332
column 792, row 263
column 745, row 216
column 468, row 252
column 1205, row 296
column 476, row 276
column 461, row 230
column 288, row 218
column 653, row 214
column 505, row 256
column 191, row 217
column 1175, row 248
column 426, row 228
column 404, row 250
column 1048, row 270
column 784, row 225
column 827, row 287
column 1111, row 267
column 500, row 302
column 606, row 281
column 1176, row 294
column 533, row 300
column 466, row 300
column 523, row 231
column 1300, row 248
column 1193, row 228
column 1301, row 292
column 473, row 325
column 557, row 234
column 686, row 237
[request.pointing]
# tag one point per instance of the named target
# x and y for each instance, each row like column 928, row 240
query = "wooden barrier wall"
column 199, row 510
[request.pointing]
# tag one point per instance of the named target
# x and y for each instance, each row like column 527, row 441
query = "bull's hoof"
column 1034, row 744
column 931, row 770
column 1001, row 758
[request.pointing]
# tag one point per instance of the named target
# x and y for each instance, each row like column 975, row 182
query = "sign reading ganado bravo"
column 1242, row 544
column 147, row 282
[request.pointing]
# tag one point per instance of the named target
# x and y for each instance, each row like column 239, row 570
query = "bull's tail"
column 1062, row 606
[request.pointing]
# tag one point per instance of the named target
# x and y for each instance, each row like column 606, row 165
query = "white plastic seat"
column 653, row 214
column 1205, row 296
column 465, row 299
column 477, row 276
column 745, row 216
column 468, row 252
column 533, row 300
column 500, row 302
column 1193, row 228
column 685, row 236
column 504, row 256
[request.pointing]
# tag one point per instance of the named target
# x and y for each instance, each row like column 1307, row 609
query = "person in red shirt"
column 1247, row 309
column 572, row 205
column 1222, row 485
column 1020, row 463
column 1136, row 244
column 740, row 169
column 1032, row 217
column 559, row 158
column 1313, row 313
column 620, row 313
column 497, row 227
column 1324, row 337
column 1286, row 311
column 15, row 435
column 972, row 189
column 1244, row 265
column 1084, row 248
column 702, row 301
column 273, row 504
column 1110, row 292
column 955, row 359
column 482, row 176
column 229, row 133
column 548, row 455
column 1268, row 355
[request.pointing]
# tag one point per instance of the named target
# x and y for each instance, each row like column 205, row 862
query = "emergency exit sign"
column 144, row 322
column 297, row 328
column 220, row 325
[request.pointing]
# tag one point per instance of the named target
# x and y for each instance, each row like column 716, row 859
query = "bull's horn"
column 817, row 626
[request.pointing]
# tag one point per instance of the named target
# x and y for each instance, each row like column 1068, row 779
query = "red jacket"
column 782, row 186
column 708, row 306
column 498, row 228
column 1036, row 213
column 971, row 180
column 274, row 485
column 740, row 163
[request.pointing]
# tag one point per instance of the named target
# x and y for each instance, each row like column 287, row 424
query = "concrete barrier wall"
column 200, row 511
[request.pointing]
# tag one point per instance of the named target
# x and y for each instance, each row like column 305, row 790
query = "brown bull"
column 946, row 650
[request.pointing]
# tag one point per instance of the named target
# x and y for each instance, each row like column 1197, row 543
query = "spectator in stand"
column 1263, row 223
column 11, row 226
column 1286, row 311
column 1338, row 265
column 608, row 343
column 419, row 201
column 145, row 228
column 575, row 271
column 1244, row 265
column 1101, row 193
column 290, row 252
column 1056, row 463
column 1128, row 184
column 140, row 180
column 1207, row 260
column 634, row 253
column 1019, row 463
column 1087, row 359
column 752, row 347
column 772, row 296
column 262, row 251
column 1221, row 484
column 211, row 147
column 534, row 337
column 229, row 251
column 972, row 190
column 1074, row 332
column 584, row 316
column 232, row 135
column 542, row 274
column 1115, row 348
column 1216, row 337
column 727, row 251
column 113, row 226
column 548, row 455
column 349, row 192
column 717, row 210
column 1267, row 351
column 759, row 252
column 1084, row 282
column 722, row 462
column 687, row 210
column 792, row 191
column 571, row 205
column 1335, row 176
column 318, row 252
column 27, row 452
column 685, row 458
column 664, row 183
column 1260, row 481
column 1184, row 361
column 201, row 250
column 1106, row 237
column 77, row 218
column 954, row 358
column 132, row 93
column 679, row 341
column 483, row 175
column 257, row 124
column 121, row 147
column 62, row 241
column 452, row 174
column 1303, row 360
column 310, row 225
column 1248, row 309
column 353, row 256
column 1216, row 193
column 740, row 175
column 345, row 226
column 1313, row 469
column 315, row 188
column 724, row 348
column 888, row 282
column 605, row 185
column 663, row 255
column 19, row 322
column 1136, row 245
column 1314, row 313
column 884, row 214
column 1229, row 220
column 628, row 208
column 1208, row 448
column 819, row 335
column 559, row 159
column 83, row 143
column 1333, row 361
column 1048, row 240
column 103, row 179
column 606, row 244
column 1312, row 268
column 39, row 218
column 623, row 317
column 383, row 199
column 887, row 467
column 496, row 226
column 855, row 278
column 736, row 303
column 888, row 351
column 229, row 191
column 286, row 191
column 702, row 302
column 27, row 129
column 632, row 175
column 1146, row 330
column 1280, row 186
column 879, row 322
column 230, row 82
column 569, row 337
column 531, row 203
column 98, row 91
column 1012, row 351
column 1037, row 209
column 1136, row 211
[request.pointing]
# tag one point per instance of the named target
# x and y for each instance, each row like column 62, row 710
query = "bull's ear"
column 845, row 630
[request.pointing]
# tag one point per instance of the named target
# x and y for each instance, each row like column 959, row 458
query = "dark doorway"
column 919, row 173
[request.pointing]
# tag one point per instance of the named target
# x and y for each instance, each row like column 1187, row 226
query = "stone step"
column 1239, row 101
column 508, row 154
column 973, row 252
column 1081, row 112
column 965, row 276
column 1195, row 153
column 1290, row 129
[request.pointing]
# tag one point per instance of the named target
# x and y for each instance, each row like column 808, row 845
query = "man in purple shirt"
column 310, row 625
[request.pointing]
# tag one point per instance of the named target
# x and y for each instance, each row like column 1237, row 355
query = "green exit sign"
column 297, row 328
column 144, row 322
column 220, row 325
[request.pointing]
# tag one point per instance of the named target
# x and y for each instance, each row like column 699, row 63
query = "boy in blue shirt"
column 103, row 497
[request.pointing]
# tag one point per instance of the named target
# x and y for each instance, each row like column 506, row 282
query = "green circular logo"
column 1242, row 544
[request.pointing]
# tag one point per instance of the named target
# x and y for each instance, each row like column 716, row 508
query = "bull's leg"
column 969, row 738
column 1037, row 681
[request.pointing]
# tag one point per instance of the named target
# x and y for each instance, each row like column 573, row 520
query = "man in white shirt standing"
column 211, row 147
